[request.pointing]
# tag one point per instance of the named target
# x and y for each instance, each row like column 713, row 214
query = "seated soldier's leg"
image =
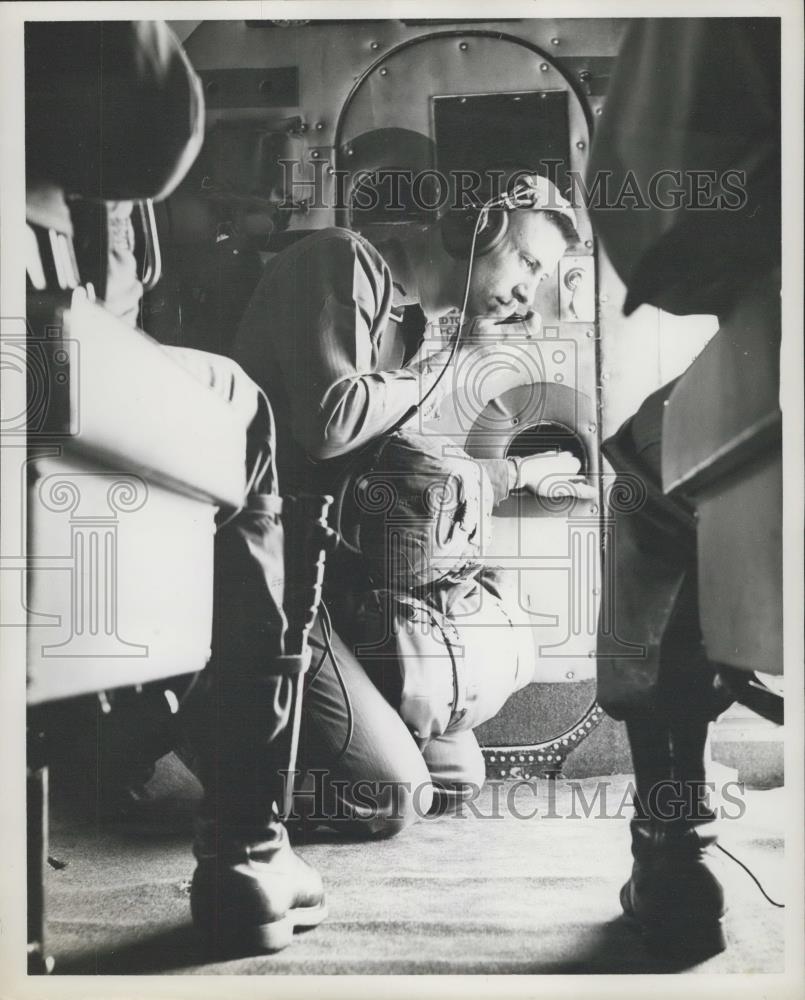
column 653, row 673
column 250, row 891
column 366, row 775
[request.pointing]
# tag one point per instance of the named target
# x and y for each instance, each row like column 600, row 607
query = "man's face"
column 504, row 281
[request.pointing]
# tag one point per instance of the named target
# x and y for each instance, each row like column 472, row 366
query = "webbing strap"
column 289, row 666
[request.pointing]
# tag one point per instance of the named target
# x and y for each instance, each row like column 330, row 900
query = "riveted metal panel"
column 358, row 76
column 273, row 87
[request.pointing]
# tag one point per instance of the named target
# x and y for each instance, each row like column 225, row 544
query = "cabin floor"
column 475, row 893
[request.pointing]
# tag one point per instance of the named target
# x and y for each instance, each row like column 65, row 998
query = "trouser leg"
column 653, row 673
column 366, row 775
column 249, row 890
column 457, row 768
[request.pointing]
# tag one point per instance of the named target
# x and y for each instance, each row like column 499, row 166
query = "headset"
column 478, row 229
column 471, row 232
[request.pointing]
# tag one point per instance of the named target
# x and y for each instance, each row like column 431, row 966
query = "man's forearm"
column 502, row 474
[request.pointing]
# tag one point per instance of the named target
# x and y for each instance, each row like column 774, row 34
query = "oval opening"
column 548, row 435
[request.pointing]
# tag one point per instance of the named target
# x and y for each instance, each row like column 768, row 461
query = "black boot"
column 672, row 893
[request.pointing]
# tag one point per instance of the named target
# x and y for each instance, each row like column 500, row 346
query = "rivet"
column 383, row 71
column 350, row 151
column 564, row 743
column 463, row 46
column 521, row 757
column 573, row 736
column 515, row 99
column 319, row 126
column 515, row 421
column 375, row 45
column 594, row 509
column 580, row 144
column 303, row 127
column 543, row 97
column 540, row 757
column 331, row 171
column 605, row 376
column 554, row 41
column 588, row 244
column 530, row 757
column 492, row 758
column 544, row 67
column 598, row 111
column 588, row 725
column 559, row 377
column 314, row 155
column 592, row 428
column 585, row 75
column 462, row 100
column 590, row 334
column 570, row 675
column 591, row 654
column 596, row 591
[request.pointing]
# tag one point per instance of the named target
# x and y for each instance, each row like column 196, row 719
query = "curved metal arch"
column 543, row 54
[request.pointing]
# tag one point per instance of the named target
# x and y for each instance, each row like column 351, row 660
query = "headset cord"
column 327, row 633
column 752, row 875
column 412, row 412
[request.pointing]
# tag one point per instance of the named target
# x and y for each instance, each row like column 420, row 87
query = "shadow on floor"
column 474, row 895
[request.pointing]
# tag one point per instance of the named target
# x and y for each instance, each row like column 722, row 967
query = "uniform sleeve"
column 327, row 309
column 499, row 472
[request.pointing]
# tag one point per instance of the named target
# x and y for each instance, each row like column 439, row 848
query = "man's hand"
column 484, row 329
column 554, row 475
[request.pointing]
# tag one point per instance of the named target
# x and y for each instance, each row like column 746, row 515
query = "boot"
column 672, row 893
column 250, row 894
column 250, row 891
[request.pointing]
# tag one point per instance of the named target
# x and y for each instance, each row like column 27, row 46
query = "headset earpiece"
column 458, row 228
